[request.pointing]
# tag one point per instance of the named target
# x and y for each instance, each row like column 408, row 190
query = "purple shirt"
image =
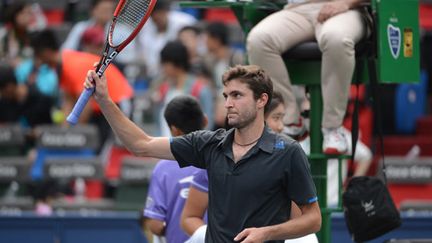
column 168, row 191
column 200, row 181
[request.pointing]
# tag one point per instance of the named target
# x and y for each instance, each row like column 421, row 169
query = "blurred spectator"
column 70, row 11
column 220, row 57
column 336, row 26
column 192, row 38
column 177, row 80
column 43, row 193
column 38, row 75
column 101, row 14
column 34, row 73
column 9, row 104
column 362, row 157
column 71, row 67
column 21, row 103
column 169, row 185
column 362, row 161
column 21, row 18
column 92, row 40
column 162, row 27
column 14, row 36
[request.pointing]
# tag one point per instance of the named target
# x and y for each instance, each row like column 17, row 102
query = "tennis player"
column 254, row 174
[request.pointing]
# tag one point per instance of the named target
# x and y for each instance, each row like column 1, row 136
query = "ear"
column 175, row 131
column 205, row 121
column 262, row 101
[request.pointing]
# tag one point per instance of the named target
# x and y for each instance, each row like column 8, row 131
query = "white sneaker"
column 296, row 131
column 334, row 142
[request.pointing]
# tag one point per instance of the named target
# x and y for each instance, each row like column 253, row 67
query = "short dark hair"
column 185, row 113
column 219, row 31
column 176, row 53
column 7, row 76
column 44, row 39
column 276, row 100
column 164, row 5
column 12, row 10
column 254, row 76
column 195, row 29
column 94, row 3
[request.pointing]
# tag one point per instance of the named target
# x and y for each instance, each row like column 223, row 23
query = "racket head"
column 129, row 17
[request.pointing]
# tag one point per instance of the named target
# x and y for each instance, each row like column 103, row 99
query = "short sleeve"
column 190, row 149
column 156, row 203
column 301, row 187
column 200, row 181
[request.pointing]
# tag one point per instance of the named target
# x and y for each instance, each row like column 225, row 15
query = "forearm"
column 362, row 168
column 191, row 224
column 294, row 228
column 363, row 158
column 132, row 137
column 194, row 210
column 309, row 222
column 135, row 139
column 155, row 226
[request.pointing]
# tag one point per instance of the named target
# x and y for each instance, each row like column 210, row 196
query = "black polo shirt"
column 254, row 192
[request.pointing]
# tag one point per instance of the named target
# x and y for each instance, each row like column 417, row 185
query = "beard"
column 242, row 120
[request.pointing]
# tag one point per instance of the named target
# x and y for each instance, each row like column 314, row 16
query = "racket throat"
column 108, row 57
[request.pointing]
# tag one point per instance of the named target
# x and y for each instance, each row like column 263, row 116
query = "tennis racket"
column 129, row 17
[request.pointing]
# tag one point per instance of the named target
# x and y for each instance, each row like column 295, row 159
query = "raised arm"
column 133, row 137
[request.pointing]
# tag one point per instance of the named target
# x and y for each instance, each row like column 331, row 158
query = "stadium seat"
column 63, row 142
column 134, row 181
column 12, row 140
column 410, row 105
column 14, row 165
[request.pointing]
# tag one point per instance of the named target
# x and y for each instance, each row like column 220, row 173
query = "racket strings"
column 128, row 19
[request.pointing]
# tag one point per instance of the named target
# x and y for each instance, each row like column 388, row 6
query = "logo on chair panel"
column 394, row 39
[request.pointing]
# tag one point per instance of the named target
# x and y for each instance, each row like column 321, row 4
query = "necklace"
column 247, row 144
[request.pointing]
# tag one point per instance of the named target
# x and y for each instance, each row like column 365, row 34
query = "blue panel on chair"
column 42, row 154
column 410, row 104
column 79, row 141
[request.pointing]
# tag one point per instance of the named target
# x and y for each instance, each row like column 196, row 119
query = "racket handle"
column 79, row 106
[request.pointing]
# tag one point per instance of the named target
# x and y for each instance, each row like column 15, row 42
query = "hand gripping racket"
column 129, row 17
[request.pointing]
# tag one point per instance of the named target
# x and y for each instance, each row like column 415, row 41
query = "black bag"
column 369, row 209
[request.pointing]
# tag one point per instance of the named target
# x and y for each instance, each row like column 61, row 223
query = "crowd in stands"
column 42, row 69
column 176, row 53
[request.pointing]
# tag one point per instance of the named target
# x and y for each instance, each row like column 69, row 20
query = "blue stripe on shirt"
column 314, row 199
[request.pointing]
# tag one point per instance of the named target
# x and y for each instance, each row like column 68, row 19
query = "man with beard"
column 254, row 174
